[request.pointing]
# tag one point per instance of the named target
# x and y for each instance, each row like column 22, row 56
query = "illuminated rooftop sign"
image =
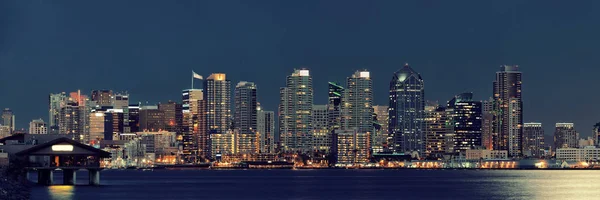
column 304, row 72
column 62, row 147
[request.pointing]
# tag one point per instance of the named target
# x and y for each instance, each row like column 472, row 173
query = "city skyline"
column 462, row 59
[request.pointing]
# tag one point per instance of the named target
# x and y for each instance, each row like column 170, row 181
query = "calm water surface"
column 330, row 184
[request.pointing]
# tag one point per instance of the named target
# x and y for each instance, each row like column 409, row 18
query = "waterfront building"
column 565, row 136
column 295, row 112
column 222, row 144
column 406, row 112
column 352, row 147
column 217, row 91
column 245, row 143
column 485, row 154
column 487, row 123
column 103, row 97
column 245, row 114
column 380, row 134
column 437, row 129
column 265, row 129
column 38, row 126
column 533, row 140
column 194, row 134
column 8, row 119
column 578, row 154
column 465, row 115
column 508, row 105
column 357, row 103
column 321, row 135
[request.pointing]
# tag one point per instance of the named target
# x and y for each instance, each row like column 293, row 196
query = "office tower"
column 380, row 121
column 508, row 105
column 406, row 112
column 114, row 123
column 352, row 147
column 96, row 121
column 8, row 119
column 321, row 135
column 69, row 119
column 54, row 104
column 173, row 116
column 217, row 92
column 134, row 118
column 466, row 121
column 194, row 136
column 244, row 118
column 151, row 119
column 334, row 106
column 487, row 123
column 565, row 136
column 38, row 126
column 102, row 97
column 265, row 128
column 437, row 130
column 295, row 112
column 4, row 131
column 120, row 101
column 533, row 140
column 357, row 103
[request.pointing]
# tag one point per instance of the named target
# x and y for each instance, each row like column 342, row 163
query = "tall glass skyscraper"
column 334, row 106
column 406, row 112
column 217, row 94
column 466, row 121
column 244, row 118
column 508, row 105
column 54, row 104
column 357, row 103
column 533, row 140
column 295, row 112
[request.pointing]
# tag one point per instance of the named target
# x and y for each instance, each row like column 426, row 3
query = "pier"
column 66, row 155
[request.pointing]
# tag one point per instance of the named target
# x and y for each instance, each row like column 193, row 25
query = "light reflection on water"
column 333, row 184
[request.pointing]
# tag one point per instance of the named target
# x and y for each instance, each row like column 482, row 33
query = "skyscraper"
column 508, row 105
column 357, row 103
column 406, row 112
column 437, row 130
column 244, row 119
column 69, row 119
column 194, row 136
column 54, row 104
column 173, row 116
column 533, row 139
column 8, row 119
column 334, row 106
column 565, row 136
column 321, row 135
column 265, row 128
column 38, row 126
column 102, row 97
column 295, row 112
column 152, row 119
column 487, row 123
column 466, row 122
column 217, row 92
column 379, row 138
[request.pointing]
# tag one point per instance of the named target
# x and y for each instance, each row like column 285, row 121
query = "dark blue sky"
column 149, row 48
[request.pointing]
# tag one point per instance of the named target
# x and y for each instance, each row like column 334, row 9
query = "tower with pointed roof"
column 406, row 112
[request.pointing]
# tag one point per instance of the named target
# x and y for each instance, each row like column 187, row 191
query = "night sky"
column 149, row 49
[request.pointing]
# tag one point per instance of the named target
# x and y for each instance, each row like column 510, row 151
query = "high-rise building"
column 565, row 136
column 508, row 105
column 38, row 126
column 152, row 119
column 55, row 102
column 265, row 128
column 533, row 140
column 134, row 117
column 222, row 144
column 321, row 135
column 4, row 131
column 69, row 119
column 352, row 147
column 244, row 118
column 245, row 143
column 379, row 137
column 487, row 124
column 406, row 112
column 173, row 116
column 437, row 130
column 357, row 103
column 194, row 135
column 8, row 119
column 334, row 106
column 120, row 101
column 466, row 119
column 217, row 94
column 103, row 97
column 96, row 121
column 295, row 112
